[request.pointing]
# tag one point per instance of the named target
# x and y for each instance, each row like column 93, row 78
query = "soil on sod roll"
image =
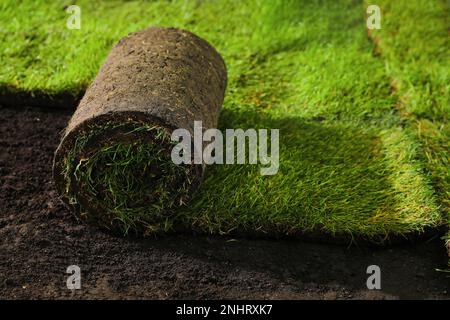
column 113, row 165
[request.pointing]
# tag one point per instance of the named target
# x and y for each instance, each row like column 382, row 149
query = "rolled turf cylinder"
column 113, row 165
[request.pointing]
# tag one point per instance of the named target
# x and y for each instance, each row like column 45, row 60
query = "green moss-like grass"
column 351, row 162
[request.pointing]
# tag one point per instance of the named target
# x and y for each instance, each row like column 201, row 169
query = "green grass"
column 363, row 136
column 418, row 64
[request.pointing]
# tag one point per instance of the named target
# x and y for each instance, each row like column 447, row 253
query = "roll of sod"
column 113, row 166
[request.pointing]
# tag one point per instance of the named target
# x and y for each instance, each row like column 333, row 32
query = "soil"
column 62, row 101
column 40, row 238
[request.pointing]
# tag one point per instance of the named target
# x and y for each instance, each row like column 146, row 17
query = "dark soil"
column 39, row 239
column 61, row 101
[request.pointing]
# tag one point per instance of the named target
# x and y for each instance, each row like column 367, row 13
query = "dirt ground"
column 39, row 239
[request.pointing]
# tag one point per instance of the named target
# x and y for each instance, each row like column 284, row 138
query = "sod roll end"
column 113, row 166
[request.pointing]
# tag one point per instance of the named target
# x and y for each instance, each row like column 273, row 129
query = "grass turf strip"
column 347, row 163
column 414, row 41
column 150, row 78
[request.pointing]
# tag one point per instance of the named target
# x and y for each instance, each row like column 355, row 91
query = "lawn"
column 363, row 116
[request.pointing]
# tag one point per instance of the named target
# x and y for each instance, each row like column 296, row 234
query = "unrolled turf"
column 113, row 165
